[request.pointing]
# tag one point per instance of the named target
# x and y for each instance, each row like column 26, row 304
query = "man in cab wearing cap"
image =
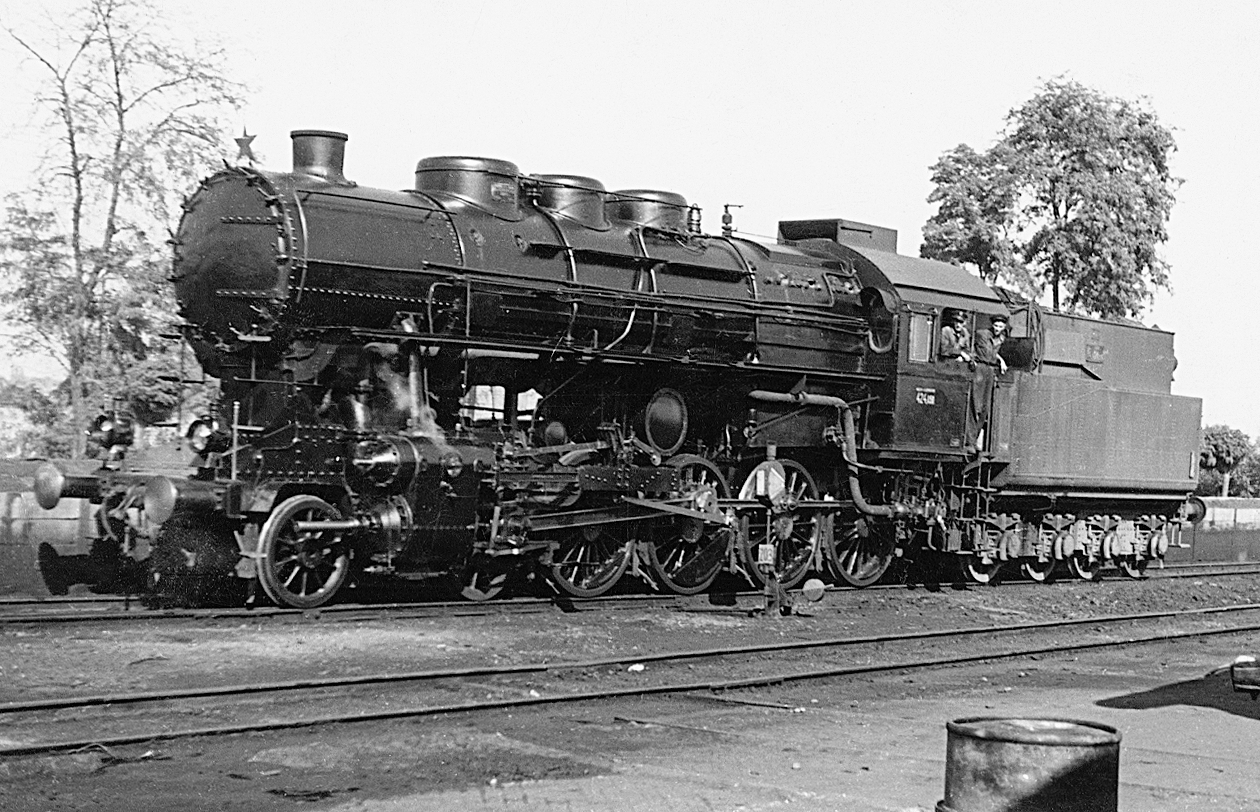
column 986, row 345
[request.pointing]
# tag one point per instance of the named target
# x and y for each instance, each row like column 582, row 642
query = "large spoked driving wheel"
column 301, row 569
column 791, row 530
column 687, row 554
column 861, row 551
column 590, row 560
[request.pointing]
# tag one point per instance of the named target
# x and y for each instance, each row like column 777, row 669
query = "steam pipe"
column 897, row 510
column 414, row 384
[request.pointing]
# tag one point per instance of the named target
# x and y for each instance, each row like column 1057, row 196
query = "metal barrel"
column 1030, row 765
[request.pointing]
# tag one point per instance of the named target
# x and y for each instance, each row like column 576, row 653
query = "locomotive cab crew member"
column 955, row 337
column 988, row 343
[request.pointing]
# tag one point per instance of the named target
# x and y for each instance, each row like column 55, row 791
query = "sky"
column 792, row 110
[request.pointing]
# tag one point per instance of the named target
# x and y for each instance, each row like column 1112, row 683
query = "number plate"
column 765, row 555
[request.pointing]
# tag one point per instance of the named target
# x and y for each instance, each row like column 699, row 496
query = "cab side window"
column 922, row 327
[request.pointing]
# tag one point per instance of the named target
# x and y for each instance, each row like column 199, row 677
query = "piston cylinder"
column 1033, row 765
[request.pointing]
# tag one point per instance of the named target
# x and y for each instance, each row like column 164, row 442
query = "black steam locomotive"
column 494, row 372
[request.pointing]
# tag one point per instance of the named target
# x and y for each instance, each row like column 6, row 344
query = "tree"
column 1244, row 480
column 35, row 434
column 1090, row 192
column 974, row 223
column 138, row 117
column 1221, row 451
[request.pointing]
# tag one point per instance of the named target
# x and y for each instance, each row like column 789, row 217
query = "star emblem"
column 245, row 152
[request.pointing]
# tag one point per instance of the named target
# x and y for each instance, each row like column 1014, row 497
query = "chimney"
column 320, row 153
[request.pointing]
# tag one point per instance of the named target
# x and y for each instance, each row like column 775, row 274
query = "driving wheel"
column 861, row 551
column 791, row 531
column 590, row 560
column 687, row 554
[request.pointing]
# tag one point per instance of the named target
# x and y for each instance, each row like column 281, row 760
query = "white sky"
column 794, row 109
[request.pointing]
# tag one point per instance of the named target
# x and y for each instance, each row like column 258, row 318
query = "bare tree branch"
column 79, row 277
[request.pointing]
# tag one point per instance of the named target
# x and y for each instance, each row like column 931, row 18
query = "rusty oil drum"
column 1030, row 765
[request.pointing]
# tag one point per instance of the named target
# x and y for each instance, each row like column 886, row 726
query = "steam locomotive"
column 495, row 372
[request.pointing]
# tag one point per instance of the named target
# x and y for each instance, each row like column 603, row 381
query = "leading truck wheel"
column 301, row 569
column 484, row 577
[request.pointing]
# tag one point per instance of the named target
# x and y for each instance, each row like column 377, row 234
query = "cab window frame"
column 922, row 339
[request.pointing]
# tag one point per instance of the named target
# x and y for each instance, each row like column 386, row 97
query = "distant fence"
column 1231, row 514
column 1230, row 531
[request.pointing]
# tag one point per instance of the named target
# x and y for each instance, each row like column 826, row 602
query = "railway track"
column 73, row 722
column 113, row 609
column 97, row 608
column 91, row 611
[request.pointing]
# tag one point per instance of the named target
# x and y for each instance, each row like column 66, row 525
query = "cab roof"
column 930, row 282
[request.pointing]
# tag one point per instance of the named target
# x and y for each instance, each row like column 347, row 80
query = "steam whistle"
column 728, row 219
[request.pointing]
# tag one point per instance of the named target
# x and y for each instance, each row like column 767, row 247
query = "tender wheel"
column 590, row 560
column 302, row 570
column 859, row 553
column 1036, row 570
column 1133, row 566
column 793, row 531
column 1085, row 568
column 687, row 554
column 978, row 572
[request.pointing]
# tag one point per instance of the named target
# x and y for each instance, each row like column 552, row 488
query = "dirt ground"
column 54, row 659
column 860, row 743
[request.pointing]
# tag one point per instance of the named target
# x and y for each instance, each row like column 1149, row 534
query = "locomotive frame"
column 494, row 372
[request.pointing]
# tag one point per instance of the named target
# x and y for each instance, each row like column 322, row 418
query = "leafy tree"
column 36, row 435
column 1087, row 191
column 974, row 223
column 1244, row 480
column 137, row 117
column 1221, row 451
